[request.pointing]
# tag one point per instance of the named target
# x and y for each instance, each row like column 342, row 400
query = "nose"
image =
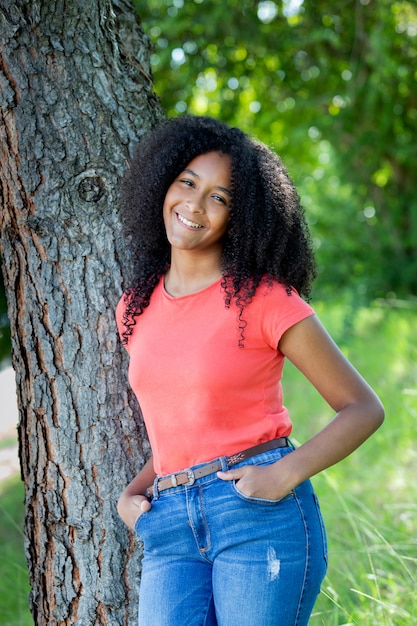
column 195, row 204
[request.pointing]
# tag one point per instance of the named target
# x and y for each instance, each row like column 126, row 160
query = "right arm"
column 133, row 501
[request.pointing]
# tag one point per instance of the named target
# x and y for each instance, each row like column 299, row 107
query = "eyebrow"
column 224, row 189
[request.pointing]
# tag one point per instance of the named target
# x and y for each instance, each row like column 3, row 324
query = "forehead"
column 211, row 164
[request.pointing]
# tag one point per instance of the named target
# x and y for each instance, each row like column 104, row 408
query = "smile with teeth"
column 186, row 222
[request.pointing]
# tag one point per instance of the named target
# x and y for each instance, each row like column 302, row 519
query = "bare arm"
column 133, row 501
column 359, row 413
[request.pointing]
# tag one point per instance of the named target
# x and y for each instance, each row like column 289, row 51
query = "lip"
column 184, row 221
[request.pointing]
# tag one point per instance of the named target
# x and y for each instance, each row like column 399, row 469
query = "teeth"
column 188, row 223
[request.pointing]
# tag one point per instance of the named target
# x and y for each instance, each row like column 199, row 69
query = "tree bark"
column 75, row 96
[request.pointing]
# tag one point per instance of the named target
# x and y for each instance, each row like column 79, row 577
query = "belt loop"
column 155, row 494
column 225, row 465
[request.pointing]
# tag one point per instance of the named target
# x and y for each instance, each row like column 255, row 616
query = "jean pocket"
column 260, row 501
column 138, row 521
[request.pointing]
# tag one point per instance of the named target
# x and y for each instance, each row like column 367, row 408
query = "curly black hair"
column 268, row 236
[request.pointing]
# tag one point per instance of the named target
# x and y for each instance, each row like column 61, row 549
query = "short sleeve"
column 282, row 308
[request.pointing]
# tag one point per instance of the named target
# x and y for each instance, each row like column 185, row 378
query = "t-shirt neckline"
column 188, row 295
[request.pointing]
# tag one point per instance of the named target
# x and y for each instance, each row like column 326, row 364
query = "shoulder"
column 272, row 292
column 278, row 308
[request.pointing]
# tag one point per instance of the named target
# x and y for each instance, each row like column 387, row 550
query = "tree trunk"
column 76, row 94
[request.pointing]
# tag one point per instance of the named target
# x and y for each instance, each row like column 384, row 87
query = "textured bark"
column 75, row 95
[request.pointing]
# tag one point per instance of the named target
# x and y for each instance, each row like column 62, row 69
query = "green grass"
column 14, row 585
column 369, row 501
column 7, row 442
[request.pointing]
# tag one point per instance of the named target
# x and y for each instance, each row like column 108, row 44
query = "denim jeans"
column 215, row 557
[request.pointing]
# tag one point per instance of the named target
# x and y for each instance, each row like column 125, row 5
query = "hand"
column 130, row 507
column 259, row 481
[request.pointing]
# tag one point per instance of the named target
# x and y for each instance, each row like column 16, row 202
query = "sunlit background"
column 332, row 87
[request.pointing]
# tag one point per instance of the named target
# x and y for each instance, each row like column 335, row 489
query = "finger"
column 145, row 506
column 231, row 474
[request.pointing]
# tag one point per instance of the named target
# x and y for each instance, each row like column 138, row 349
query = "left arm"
column 359, row 413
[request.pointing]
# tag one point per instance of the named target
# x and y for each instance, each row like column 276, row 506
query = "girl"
column 221, row 260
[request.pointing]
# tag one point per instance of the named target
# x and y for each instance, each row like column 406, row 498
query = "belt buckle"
column 191, row 477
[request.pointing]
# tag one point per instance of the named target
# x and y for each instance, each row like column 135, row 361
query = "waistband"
column 189, row 476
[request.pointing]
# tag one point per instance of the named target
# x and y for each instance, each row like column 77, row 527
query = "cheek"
column 223, row 223
column 171, row 199
column 166, row 208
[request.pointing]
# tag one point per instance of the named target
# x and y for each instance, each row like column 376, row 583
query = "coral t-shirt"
column 201, row 395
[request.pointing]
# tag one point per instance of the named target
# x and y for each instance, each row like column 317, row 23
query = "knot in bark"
column 91, row 188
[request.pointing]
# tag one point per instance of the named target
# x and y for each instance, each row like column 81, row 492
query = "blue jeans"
column 215, row 557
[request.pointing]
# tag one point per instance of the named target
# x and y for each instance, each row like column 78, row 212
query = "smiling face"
column 196, row 206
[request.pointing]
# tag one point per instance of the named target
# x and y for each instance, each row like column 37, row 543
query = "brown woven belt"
column 188, row 477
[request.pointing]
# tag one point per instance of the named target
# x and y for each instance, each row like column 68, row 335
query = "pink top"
column 201, row 395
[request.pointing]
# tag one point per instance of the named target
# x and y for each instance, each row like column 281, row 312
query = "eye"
column 187, row 182
column 219, row 199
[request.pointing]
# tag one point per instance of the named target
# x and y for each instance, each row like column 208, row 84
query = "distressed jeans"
column 215, row 557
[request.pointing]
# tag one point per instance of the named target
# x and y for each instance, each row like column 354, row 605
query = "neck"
column 189, row 273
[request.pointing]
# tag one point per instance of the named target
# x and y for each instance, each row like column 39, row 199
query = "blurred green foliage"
column 333, row 88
